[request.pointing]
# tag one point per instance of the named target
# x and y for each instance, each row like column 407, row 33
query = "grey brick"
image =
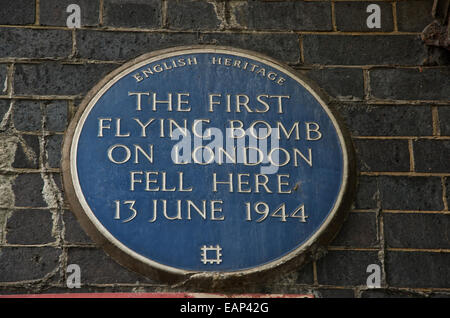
column 56, row 116
column 444, row 120
column 411, row 193
column 399, row 193
column 34, row 43
column 103, row 45
column 192, row 15
column 29, row 227
column 411, row 84
column 345, row 268
column 439, row 295
column 432, row 155
column 17, row 12
column 4, row 107
column 27, row 263
column 305, row 275
column 352, row 16
column 27, row 115
column 28, row 157
column 52, row 78
column 386, row 293
column 336, row 293
column 359, row 230
column 437, row 56
column 73, row 231
column 95, row 289
column 417, row 230
column 56, row 177
column 389, row 120
column 27, row 189
column 341, row 83
column 136, row 13
column 284, row 15
column 99, row 268
column 382, row 155
column 53, row 12
column 447, row 188
column 367, row 195
column 284, row 47
column 3, row 79
column 418, row 269
column 16, row 290
column 414, row 16
column 363, row 49
column 53, row 146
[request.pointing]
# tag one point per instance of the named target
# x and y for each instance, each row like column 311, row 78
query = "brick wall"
column 391, row 89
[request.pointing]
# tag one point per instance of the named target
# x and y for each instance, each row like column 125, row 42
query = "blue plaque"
column 207, row 160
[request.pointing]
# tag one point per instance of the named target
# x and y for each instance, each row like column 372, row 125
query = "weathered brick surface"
column 395, row 155
column 282, row 15
column 192, row 14
column 368, row 193
column 102, row 45
column 364, row 49
column 56, row 177
column 74, row 234
column 336, row 293
column 432, row 155
column 411, row 84
column 97, row 267
column 418, row 269
column 27, row 153
column 27, row 263
column 341, row 83
column 52, row 78
column 123, row 45
column 3, row 79
column 359, row 230
column 4, row 106
column 392, row 120
column 390, row 89
column 137, row 13
column 400, row 193
column 386, row 293
column 282, row 46
column 27, row 115
column 447, row 188
column 413, row 16
column 417, row 230
column 30, row 227
column 346, row 268
column 56, row 116
column 28, row 190
column 410, row 193
column 53, row 148
column 35, row 43
column 444, row 120
column 10, row 15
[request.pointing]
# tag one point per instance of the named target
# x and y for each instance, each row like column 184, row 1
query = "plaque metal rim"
column 136, row 262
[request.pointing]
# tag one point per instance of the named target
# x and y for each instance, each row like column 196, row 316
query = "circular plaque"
column 207, row 161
